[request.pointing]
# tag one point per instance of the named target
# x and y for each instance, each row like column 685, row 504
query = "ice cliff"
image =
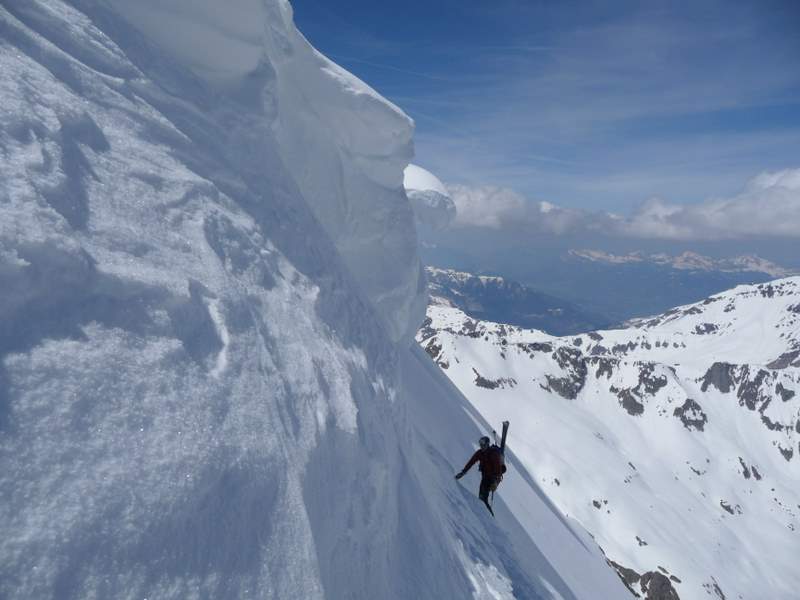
column 210, row 282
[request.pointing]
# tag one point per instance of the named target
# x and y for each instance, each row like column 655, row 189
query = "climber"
column 491, row 465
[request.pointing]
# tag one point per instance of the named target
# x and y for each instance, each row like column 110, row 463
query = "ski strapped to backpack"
column 503, row 438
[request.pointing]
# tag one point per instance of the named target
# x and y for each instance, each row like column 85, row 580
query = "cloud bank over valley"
column 768, row 206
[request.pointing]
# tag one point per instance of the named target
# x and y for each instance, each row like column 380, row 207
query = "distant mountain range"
column 674, row 441
column 625, row 286
column 687, row 261
column 498, row 299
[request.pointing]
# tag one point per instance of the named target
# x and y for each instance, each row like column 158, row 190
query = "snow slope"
column 343, row 144
column 675, row 442
column 209, row 278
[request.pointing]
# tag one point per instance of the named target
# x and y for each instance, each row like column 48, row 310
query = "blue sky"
column 589, row 105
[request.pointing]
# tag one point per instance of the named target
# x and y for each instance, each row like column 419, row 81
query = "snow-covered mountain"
column 208, row 383
column 675, row 442
column 493, row 298
column 687, row 261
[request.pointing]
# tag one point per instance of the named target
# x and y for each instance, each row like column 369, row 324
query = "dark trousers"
column 488, row 483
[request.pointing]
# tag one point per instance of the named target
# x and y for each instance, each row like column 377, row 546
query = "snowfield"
column 208, row 387
column 675, row 442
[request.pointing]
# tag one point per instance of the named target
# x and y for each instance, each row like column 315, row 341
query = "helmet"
column 484, row 442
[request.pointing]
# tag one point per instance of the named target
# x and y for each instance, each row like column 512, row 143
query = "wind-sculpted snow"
column 433, row 208
column 208, row 269
column 344, row 145
column 675, row 442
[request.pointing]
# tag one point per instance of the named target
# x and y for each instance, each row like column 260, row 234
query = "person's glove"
column 459, row 475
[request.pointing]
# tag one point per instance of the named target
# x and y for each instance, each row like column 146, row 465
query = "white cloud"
column 788, row 178
column 486, row 206
column 768, row 206
column 502, row 208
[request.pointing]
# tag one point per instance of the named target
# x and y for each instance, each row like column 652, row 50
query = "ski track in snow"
column 488, row 583
column 222, row 332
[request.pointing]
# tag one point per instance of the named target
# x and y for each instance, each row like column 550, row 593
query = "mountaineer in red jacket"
column 491, row 464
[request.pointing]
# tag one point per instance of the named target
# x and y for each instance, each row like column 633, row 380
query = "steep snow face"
column 347, row 163
column 220, row 42
column 433, row 207
column 675, row 442
column 168, row 362
column 203, row 387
